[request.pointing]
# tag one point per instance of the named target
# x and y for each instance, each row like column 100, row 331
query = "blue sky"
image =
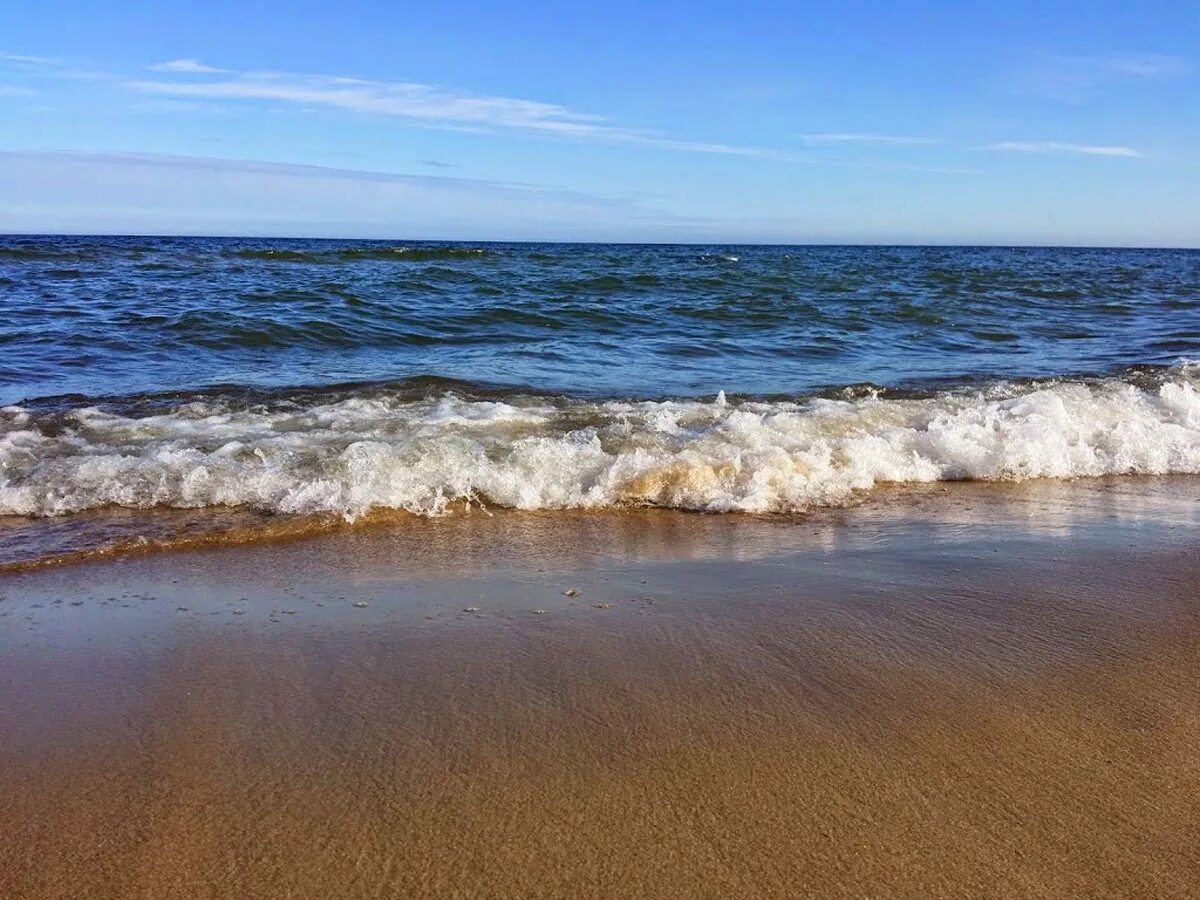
column 989, row 122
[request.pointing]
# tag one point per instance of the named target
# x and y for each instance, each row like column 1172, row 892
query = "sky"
column 760, row 122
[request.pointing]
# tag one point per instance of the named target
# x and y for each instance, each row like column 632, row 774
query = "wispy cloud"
column 188, row 84
column 905, row 167
column 1059, row 147
column 257, row 167
column 22, row 60
column 186, row 67
column 159, row 194
column 1075, row 78
column 857, row 137
column 48, row 68
column 1144, row 66
column 426, row 104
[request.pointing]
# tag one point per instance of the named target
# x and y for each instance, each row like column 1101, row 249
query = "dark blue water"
column 121, row 316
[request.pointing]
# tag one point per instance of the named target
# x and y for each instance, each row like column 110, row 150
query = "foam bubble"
column 349, row 455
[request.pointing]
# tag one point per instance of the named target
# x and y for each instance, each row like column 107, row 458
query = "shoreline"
column 115, row 533
column 979, row 692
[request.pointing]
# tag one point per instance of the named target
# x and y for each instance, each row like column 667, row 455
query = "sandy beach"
column 983, row 691
column 618, row 451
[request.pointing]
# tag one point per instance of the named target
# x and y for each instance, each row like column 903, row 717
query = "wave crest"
column 350, row 454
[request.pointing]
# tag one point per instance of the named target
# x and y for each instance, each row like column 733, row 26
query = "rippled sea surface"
column 331, row 380
column 119, row 316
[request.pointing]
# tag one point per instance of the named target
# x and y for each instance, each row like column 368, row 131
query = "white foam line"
column 354, row 455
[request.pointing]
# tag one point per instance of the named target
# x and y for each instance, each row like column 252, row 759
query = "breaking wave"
column 350, row 452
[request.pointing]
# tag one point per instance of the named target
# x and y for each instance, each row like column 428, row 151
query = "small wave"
column 42, row 253
column 350, row 254
column 277, row 255
column 354, row 452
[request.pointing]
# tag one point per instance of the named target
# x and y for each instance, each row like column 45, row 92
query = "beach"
column 535, row 452
column 955, row 690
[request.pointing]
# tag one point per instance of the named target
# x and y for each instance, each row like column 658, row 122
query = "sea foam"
column 349, row 454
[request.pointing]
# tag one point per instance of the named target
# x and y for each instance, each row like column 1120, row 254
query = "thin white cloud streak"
column 48, row 68
column 1145, row 65
column 48, row 191
column 904, row 167
column 434, row 106
column 854, row 137
column 1059, row 147
column 201, row 87
column 1075, row 79
column 260, row 167
column 426, row 104
column 23, row 60
column 96, row 193
column 186, row 67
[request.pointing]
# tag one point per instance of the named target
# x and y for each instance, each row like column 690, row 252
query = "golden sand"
column 952, row 704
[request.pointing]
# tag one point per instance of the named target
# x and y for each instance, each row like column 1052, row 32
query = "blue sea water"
column 335, row 378
column 122, row 316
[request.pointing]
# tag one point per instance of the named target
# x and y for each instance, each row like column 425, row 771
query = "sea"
column 336, row 379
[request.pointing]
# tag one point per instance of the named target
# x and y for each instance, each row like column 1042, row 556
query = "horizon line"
column 600, row 243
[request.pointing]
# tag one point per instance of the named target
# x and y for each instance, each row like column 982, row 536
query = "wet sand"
column 976, row 692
